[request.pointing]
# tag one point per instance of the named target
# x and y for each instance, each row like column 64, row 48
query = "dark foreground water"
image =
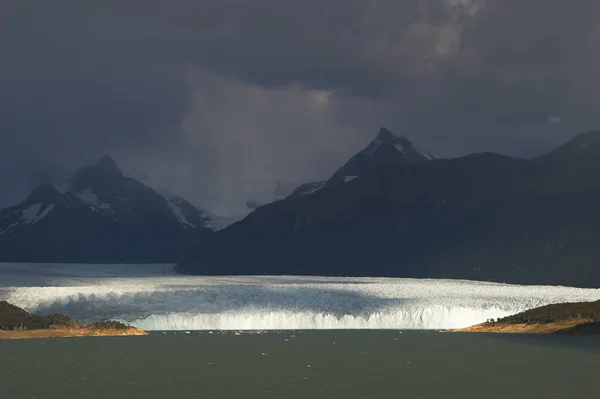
column 304, row 364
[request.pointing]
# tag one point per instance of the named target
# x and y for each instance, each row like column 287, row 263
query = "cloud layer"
column 217, row 100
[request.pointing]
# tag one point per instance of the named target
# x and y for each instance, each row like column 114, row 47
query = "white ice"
column 154, row 297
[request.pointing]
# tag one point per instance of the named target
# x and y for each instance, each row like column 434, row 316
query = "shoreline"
column 560, row 327
column 71, row 333
column 572, row 318
column 16, row 323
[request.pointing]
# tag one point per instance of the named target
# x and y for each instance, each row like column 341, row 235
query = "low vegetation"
column 17, row 323
column 106, row 325
column 578, row 318
column 15, row 318
column 556, row 313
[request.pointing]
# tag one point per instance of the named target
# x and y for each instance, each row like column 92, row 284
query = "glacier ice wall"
column 152, row 297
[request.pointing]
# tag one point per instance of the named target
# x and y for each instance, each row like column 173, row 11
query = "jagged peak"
column 385, row 135
column 42, row 190
column 104, row 170
column 105, row 166
column 386, row 139
column 108, row 165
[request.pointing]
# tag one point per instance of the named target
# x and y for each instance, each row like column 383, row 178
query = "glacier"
column 155, row 298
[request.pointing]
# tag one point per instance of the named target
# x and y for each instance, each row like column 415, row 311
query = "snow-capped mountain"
column 386, row 148
column 100, row 215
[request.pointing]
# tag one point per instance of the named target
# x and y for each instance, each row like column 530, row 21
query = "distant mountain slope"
column 99, row 215
column 482, row 217
column 385, row 149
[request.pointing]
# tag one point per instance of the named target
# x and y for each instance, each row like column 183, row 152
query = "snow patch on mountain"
column 178, row 213
column 63, row 187
column 308, row 188
column 349, row 178
column 36, row 212
column 30, row 215
column 210, row 220
column 316, row 187
column 91, row 199
column 426, row 154
column 218, row 222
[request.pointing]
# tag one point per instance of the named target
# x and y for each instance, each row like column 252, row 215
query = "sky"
column 217, row 100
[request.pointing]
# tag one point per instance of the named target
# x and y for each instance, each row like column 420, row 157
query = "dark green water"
column 306, row 364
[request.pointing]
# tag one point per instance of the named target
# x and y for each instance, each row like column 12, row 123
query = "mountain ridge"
column 482, row 217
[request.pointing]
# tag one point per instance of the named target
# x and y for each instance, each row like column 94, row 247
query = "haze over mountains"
column 392, row 210
column 100, row 215
column 482, row 217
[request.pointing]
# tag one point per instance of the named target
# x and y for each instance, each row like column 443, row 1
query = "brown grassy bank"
column 576, row 318
column 16, row 323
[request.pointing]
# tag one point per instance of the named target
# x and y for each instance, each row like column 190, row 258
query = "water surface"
column 302, row 364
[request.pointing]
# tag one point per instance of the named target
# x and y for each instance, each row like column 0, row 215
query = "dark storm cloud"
column 477, row 53
column 78, row 80
column 495, row 70
column 76, row 84
column 201, row 90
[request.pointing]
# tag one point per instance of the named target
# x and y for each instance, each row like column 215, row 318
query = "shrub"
column 105, row 325
column 557, row 312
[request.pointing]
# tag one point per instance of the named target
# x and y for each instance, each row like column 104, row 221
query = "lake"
column 302, row 364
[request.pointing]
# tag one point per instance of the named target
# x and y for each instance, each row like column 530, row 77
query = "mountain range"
column 391, row 210
column 395, row 211
column 100, row 216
